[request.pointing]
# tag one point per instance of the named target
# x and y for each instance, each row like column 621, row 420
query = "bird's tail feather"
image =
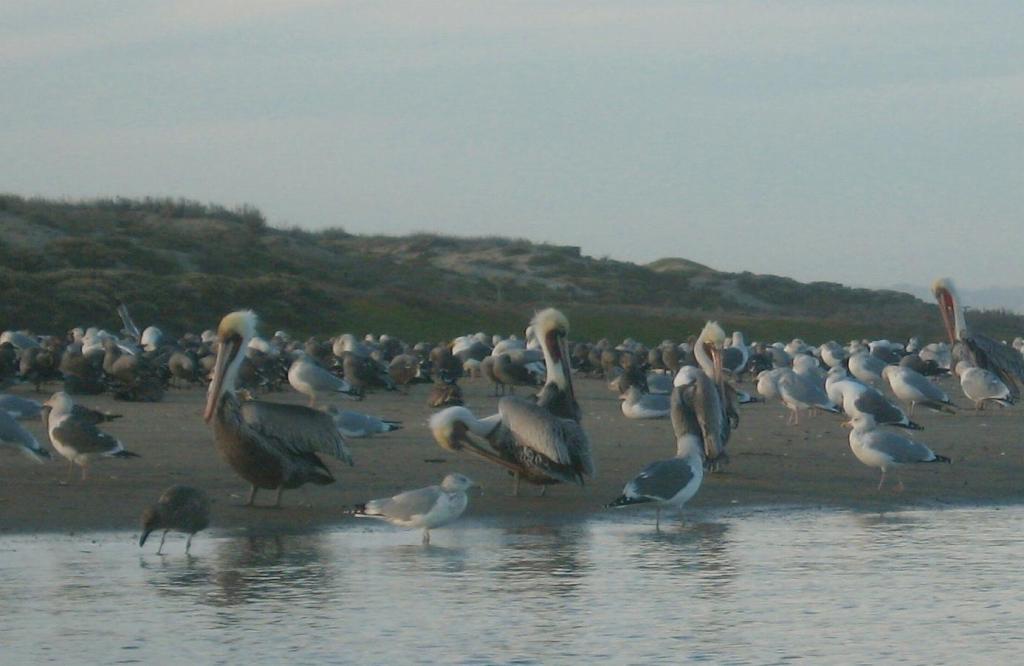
column 126, row 454
column 941, row 459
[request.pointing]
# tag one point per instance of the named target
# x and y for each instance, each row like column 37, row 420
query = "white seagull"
column 430, row 507
column 886, row 450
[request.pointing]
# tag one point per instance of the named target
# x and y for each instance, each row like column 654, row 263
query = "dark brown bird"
column 180, row 508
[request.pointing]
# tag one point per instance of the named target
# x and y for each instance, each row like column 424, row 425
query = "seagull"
column 886, row 450
column 671, row 483
column 858, row 398
column 77, row 438
column 982, row 386
column 355, row 424
column 13, row 434
column 799, row 392
column 20, row 408
column 637, row 405
column 867, row 368
column 270, row 445
column 310, row 379
column 180, row 508
column 430, row 507
column 913, row 387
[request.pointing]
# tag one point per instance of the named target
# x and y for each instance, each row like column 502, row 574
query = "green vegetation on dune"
column 182, row 264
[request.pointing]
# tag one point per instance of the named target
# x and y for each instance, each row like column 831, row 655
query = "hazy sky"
column 864, row 142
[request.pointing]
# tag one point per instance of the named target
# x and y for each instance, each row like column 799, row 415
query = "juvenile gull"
column 77, row 438
column 430, row 507
column 886, row 450
column 180, row 508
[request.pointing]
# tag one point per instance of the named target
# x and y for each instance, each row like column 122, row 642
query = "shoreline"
column 773, row 466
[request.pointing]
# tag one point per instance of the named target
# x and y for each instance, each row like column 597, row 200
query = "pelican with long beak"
column 524, row 438
column 270, row 445
column 557, row 396
column 715, row 410
column 983, row 352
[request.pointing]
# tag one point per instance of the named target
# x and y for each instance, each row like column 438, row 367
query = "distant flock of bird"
column 538, row 438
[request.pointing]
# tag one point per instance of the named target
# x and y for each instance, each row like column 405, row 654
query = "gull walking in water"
column 886, row 450
column 270, row 445
column 13, row 434
column 77, row 438
column 180, row 508
column 671, row 483
column 430, row 507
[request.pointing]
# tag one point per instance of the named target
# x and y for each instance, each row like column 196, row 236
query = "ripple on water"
column 740, row 587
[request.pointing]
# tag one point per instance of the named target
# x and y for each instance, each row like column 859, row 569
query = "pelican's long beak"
column 948, row 316
column 225, row 353
column 716, row 362
column 563, row 352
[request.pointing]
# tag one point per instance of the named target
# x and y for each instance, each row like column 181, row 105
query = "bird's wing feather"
column 405, row 506
column 296, row 428
column 1001, row 359
column 84, row 437
column 660, row 480
column 901, row 449
column 561, row 440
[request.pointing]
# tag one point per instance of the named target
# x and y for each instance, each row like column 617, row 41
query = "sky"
column 868, row 143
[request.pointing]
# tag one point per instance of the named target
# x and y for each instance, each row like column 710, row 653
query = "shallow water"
column 743, row 587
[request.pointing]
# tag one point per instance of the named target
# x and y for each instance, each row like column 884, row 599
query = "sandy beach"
column 808, row 465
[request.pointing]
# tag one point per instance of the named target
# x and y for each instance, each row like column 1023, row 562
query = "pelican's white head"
column 552, row 330
column 233, row 335
column 950, row 308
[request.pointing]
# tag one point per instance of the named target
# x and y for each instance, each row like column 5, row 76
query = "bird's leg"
column 188, row 543
column 899, row 488
column 657, row 519
column 515, row 484
column 252, row 495
column 85, row 472
column 882, row 481
column 71, row 471
column 161, row 546
column 426, row 537
column 277, row 502
column 543, row 491
column 912, row 405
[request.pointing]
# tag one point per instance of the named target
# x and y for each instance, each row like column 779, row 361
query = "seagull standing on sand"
column 913, row 387
column 308, row 378
column 982, row 386
column 77, row 438
column 886, row 450
column 180, row 508
column 430, row 507
column 671, row 483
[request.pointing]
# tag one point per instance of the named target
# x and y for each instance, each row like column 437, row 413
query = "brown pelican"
column 671, row 483
column 76, row 437
column 552, row 330
column 524, row 438
column 716, row 412
column 269, row 445
column 704, row 398
column 180, row 508
column 981, row 350
column 430, row 507
column 886, row 450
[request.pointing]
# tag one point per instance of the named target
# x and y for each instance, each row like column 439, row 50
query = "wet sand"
column 809, row 465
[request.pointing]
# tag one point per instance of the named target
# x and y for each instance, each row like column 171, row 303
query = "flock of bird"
column 538, row 438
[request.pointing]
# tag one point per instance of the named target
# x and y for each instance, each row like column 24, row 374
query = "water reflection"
column 736, row 588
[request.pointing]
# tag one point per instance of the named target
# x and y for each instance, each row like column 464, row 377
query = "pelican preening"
column 430, row 507
column 981, row 350
column 270, row 445
column 557, row 396
column 526, row 439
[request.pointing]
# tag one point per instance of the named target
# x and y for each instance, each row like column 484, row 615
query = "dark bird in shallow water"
column 180, row 508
